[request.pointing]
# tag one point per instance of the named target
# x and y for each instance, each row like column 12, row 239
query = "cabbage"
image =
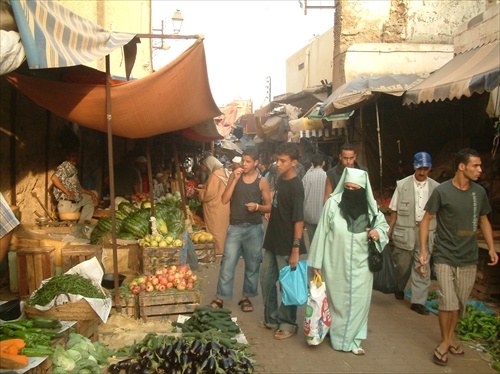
column 62, row 360
column 74, row 355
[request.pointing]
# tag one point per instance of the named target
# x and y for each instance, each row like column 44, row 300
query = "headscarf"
column 211, row 163
column 359, row 177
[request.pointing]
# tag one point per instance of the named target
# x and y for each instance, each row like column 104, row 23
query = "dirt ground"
column 121, row 330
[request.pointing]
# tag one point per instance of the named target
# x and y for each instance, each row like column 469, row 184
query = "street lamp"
column 177, row 21
column 176, row 26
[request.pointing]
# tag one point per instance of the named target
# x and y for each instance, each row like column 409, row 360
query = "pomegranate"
column 136, row 290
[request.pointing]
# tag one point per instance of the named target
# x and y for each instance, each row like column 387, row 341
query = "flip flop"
column 264, row 325
column 281, row 334
column 216, row 304
column 437, row 360
column 246, row 305
column 454, row 350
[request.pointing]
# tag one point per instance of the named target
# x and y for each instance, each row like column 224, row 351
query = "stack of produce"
column 73, row 284
column 174, row 277
column 27, row 338
column 80, row 356
column 133, row 222
column 166, row 354
column 484, row 328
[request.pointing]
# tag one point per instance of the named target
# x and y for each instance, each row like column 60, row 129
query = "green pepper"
column 38, row 351
column 13, row 326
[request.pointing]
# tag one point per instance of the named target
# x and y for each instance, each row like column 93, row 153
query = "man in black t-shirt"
column 283, row 243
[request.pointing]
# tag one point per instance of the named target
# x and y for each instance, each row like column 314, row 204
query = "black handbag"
column 375, row 259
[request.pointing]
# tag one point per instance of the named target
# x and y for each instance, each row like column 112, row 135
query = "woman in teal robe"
column 339, row 253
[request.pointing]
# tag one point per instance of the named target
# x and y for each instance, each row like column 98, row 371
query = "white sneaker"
column 358, row 351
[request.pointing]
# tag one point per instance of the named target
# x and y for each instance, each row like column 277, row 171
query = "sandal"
column 281, row 334
column 454, row 350
column 216, row 304
column 440, row 361
column 246, row 305
column 265, row 325
column 358, row 351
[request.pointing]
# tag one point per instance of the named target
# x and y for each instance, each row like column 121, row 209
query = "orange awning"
column 176, row 97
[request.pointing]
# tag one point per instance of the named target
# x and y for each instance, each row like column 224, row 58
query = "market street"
column 399, row 340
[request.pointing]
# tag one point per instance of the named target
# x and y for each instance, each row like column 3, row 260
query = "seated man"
column 70, row 195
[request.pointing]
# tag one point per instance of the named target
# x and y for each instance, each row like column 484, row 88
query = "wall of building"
column 394, row 58
column 116, row 16
column 311, row 64
column 480, row 30
column 396, row 21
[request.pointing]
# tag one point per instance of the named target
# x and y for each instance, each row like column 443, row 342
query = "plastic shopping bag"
column 294, row 284
column 318, row 318
column 385, row 279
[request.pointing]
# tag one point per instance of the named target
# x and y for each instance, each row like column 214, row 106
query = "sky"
column 245, row 41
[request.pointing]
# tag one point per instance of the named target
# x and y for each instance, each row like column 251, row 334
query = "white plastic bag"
column 318, row 318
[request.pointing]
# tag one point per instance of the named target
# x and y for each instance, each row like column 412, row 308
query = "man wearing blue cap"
column 407, row 205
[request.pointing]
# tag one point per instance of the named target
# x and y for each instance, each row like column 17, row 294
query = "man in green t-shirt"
column 460, row 205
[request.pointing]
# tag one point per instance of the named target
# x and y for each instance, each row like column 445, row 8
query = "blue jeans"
column 283, row 317
column 242, row 240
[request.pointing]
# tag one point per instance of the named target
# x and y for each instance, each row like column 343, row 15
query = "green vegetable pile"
column 66, row 283
column 484, row 328
column 206, row 321
column 37, row 333
column 81, row 356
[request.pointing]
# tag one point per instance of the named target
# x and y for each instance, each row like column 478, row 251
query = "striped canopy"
column 474, row 71
column 53, row 36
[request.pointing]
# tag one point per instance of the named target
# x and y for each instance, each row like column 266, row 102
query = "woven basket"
column 73, row 311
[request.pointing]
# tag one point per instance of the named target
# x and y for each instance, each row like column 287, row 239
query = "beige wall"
column 116, row 16
column 396, row 21
column 480, row 30
column 394, row 58
column 307, row 67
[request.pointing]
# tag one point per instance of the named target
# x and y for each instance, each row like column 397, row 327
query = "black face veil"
column 353, row 203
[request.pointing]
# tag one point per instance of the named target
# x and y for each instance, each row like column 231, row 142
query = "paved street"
column 399, row 340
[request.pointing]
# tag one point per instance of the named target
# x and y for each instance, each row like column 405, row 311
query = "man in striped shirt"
column 314, row 192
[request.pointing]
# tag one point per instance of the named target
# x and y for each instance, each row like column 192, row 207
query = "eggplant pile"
column 163, row 354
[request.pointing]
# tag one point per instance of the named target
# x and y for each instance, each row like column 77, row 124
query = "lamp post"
column 177, row 21
column 160, row 35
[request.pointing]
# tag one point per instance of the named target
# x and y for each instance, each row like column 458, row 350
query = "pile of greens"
column 66, row 283
column 81, row 356
column 484, row 328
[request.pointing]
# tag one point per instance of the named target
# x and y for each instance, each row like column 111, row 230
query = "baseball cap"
column 422, row 160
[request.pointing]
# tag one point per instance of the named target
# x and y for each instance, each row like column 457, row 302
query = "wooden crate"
column 34, row 264
column 129, row 305
column 89, row 328
column 74, row 254
column 159, row 306
column 487, row 277
column 205, row 252
column 154, row 258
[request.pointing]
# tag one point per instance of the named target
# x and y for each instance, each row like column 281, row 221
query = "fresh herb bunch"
column 66, row 283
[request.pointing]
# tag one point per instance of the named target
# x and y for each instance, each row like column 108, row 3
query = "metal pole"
column 112, row 184
column 379, row 145
column 150, row 176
